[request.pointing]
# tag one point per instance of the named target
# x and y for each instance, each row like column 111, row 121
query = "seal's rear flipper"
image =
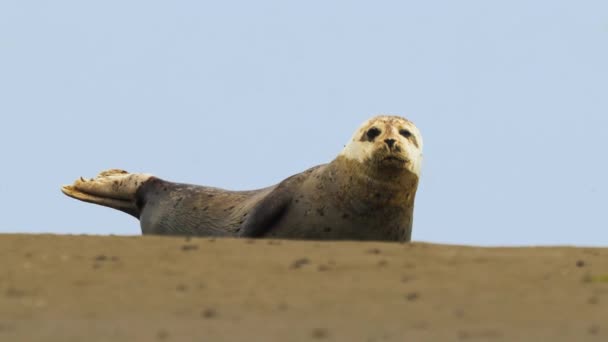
column 111, row 188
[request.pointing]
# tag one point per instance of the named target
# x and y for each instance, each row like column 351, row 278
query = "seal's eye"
column 373, row 133
column 405, row 133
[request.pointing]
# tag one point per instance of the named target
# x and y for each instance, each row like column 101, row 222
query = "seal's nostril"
column 390, row 142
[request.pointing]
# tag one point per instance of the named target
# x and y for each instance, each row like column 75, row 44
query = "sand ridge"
column 146, row 288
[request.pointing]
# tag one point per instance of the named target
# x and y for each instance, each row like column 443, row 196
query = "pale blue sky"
column 511, row 98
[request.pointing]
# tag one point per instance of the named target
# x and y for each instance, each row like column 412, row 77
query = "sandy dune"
column 89, row 288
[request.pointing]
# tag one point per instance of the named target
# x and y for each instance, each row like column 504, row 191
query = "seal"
column 366, row 193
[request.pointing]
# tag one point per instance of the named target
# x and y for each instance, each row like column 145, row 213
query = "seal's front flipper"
column 111, row 188
column 266, row 213
column 269, row 210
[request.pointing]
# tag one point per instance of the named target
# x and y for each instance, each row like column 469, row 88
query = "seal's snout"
column 393, row 146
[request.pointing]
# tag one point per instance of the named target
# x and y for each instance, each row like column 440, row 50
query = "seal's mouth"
column 394, row 160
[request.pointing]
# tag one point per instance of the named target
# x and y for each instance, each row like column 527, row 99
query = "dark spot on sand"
column 210, row 195
column 14, row 292
column 181, row 288
column 320, row 333
column 406, row 279
column 323, row 268
column 205, row 208
column 593, row 300
column 373, row 251
column 482, row 335
column 101, row 257
column 594, row 329
column 580, row 263
column 189, row 247
column 209, row 313
column 300, row 262
column 162, row 335
column 382, row 263
column 6, row 327
column 412, row 296
column 274, row 242
column 321, row 211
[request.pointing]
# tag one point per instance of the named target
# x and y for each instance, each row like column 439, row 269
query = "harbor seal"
column 366, row 193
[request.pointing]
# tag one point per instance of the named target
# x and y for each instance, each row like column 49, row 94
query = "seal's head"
column 387, row 143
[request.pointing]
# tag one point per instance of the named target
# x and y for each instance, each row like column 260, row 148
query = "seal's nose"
column 390, row 142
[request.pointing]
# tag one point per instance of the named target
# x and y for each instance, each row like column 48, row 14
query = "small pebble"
column 320, row 333
column 594, row 329
column 101, row 257
column 300, row 262
column 189, row 247
column 412, row 296
column 162, row 335
column 209, row 313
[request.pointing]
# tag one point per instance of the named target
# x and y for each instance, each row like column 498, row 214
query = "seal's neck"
column 363, row 187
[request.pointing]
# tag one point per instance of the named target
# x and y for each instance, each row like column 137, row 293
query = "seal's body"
column 366, row 193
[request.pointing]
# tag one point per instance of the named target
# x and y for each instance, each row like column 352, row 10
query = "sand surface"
column 92, row 288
